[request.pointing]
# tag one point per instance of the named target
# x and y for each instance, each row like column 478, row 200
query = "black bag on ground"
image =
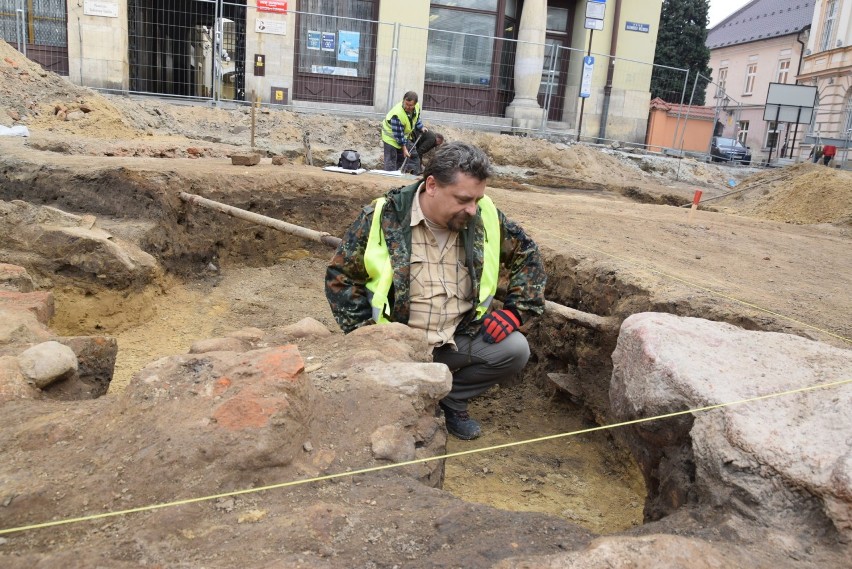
column 350, row 160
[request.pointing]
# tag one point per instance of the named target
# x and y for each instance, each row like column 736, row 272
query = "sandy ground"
column 775, row 252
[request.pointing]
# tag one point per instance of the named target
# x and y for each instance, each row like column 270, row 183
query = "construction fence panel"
column 607, row 98
column 732, row 119
column 38, row 29
column 176, row 47
column 337, row 57
column 467, row 76
column 342, row 56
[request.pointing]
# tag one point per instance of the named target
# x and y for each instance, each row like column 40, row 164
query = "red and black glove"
column 497, row 325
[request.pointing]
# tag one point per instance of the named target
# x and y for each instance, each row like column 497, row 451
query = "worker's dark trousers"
column 393, row 157
column 476, row 366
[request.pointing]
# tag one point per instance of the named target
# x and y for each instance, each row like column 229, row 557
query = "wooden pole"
column 585, row 319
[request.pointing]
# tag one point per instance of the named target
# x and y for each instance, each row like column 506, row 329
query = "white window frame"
column 742, row 131
column 783, row 71
column 751, row 78
column 772, row 127
column 721, row 80
column 828, row 25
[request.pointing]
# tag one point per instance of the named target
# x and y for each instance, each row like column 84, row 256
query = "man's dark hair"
column 410, row 96
column 454, row 157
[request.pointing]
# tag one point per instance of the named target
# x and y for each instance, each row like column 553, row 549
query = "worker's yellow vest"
column 407, row 124
column 377, row 261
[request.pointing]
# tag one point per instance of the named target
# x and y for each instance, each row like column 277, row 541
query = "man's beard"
column 458, row 222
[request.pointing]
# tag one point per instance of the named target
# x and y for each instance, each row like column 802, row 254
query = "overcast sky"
column 721, row 9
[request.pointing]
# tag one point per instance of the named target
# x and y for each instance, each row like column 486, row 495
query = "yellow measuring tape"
column 417, row 461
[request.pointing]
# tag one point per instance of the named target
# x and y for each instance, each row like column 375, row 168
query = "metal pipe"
column 680, row 109
column 686, row 124
column 610, row 71
column 393, row 63
column 585, row 319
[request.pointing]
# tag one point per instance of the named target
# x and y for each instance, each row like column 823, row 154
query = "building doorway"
column 190, row 48
column 551, row 93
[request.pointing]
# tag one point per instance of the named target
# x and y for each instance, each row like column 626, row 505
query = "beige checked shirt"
column 441, row 290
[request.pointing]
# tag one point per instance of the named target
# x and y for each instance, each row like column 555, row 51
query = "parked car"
column 729, row 150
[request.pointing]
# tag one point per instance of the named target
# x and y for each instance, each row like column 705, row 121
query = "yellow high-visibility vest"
column 377, row 261
column 407, row 124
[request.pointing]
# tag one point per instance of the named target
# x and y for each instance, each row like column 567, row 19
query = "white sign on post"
column 593, row 24
column 586, row 82
column 594, row 10
column 100, row 8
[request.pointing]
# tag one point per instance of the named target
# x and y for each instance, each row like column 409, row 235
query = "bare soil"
column 774, row 255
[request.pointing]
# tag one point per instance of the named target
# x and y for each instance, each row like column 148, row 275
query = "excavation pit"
column 218, row 275
column 588, row 479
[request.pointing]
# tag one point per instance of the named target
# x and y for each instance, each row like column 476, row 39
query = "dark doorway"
column 183, row 47
column 552, row 89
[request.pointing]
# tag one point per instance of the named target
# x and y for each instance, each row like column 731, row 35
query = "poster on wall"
column 328, row 41
column 332, row 70
column 313, row 39
column 348, row 44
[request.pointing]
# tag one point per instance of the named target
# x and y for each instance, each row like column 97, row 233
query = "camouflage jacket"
column 346, row 277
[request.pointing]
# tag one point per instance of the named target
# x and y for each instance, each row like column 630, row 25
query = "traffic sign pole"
column 583, row 101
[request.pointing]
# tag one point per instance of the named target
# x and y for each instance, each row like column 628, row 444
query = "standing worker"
column 428, row 255
column 397, row 129
column 828, row 153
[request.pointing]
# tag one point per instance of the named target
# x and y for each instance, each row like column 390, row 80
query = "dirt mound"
column 802, row 194
column 43, row 100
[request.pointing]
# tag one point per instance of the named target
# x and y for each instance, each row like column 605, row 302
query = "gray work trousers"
column 476, row 365
column 394, row 159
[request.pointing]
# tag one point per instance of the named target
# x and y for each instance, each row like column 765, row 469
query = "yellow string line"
column 416, row 461
column 698, row 286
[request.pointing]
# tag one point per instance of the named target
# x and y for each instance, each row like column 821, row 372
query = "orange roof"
column 673, row 109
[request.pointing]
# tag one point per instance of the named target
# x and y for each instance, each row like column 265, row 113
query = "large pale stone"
column 393, row 443
column 13, row 384
column 785, row 458
column 15, row 278
column 306, row 327
column 426, row 382
column 47, row 362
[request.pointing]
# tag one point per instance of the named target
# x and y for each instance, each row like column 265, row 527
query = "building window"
column 742, row 132
column 751, row 75
column 828, row 25
column 771, row 134
column 322, row 29
column 783, row 71
column 721, row 80
column 461, row 44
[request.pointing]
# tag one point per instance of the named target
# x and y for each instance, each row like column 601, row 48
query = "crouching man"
column 428, row 255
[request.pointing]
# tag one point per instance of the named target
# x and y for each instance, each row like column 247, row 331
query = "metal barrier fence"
column 38, row 29
column 336, row 57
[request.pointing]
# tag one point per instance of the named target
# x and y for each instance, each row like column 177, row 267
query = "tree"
column 681, row 44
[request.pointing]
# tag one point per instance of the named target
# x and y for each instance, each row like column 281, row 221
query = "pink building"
column 762, row 43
